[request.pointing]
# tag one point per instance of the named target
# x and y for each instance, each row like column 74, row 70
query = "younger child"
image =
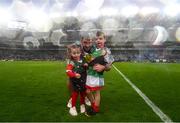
column 95, row 79
column 77, row 75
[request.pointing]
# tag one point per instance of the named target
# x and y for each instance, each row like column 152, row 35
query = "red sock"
column 92, row 104
column 74, row 98
column 82, row 98
column 94, row 107
column 97, row 109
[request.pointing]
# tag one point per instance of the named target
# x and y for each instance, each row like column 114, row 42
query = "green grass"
column 37, row 92
column 160, row 82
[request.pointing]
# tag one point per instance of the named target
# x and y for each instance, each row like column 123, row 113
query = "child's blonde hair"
column 100, row 33
column 70, row 47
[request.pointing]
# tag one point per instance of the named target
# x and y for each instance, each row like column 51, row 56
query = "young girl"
column 95, row 79
column 87, row 47
column 77, row 75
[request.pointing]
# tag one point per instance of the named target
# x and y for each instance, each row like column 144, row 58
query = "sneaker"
column 69, row 104
column 90, row 112
column 73, row 111
column 82, row 108
column 88, row 103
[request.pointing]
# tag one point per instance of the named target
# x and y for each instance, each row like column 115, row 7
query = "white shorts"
column 93, row 81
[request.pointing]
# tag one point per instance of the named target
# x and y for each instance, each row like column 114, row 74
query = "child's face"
column 87, row 44
column 75, row 54
column 100, row 41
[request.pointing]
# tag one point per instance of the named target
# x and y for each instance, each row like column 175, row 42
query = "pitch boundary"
column 156, row 109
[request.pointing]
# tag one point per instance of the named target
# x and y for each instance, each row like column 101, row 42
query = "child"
column 87, row 47
column 95, row 79
column 77, row 75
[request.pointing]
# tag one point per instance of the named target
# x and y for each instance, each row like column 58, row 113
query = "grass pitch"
column 36, row 91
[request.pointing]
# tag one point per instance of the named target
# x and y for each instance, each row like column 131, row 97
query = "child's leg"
column 95, row 104
column 73, row 110
column 82, row 102
column 69, row 85
column 82, row 97
column 90, row 95
column 97, row 96
column 74, row 98
column 87, row 101
column 97, row 100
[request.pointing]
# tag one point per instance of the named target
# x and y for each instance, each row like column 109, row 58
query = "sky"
column 21, row 7
column 52, row 7
column 72, row 4
column 42, row 14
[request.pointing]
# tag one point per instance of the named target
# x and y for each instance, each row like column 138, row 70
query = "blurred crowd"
column 120, row 55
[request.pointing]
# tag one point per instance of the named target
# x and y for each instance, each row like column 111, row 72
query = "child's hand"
column 78, row 75
column 98, row 67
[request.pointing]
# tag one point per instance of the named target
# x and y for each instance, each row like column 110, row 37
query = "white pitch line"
column 158, row 111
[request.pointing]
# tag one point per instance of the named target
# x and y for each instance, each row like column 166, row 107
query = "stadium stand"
column 131, row 41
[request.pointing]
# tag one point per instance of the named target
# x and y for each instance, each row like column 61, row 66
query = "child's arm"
column 70, row 73
column 109, row 59
column 98, row 60
column 104, row 63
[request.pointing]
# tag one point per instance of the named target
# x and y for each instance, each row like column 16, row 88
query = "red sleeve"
column 69, row 71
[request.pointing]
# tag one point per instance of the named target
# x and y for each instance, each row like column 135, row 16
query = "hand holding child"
column 98, row 67
column 77, row 75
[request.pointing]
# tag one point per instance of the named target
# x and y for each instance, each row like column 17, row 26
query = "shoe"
column 90, row 112
column 82, row 108
column 69, row 104
column 73, row 111
column 87, row 102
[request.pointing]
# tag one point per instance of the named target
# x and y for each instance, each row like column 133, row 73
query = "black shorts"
column 78, row 84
